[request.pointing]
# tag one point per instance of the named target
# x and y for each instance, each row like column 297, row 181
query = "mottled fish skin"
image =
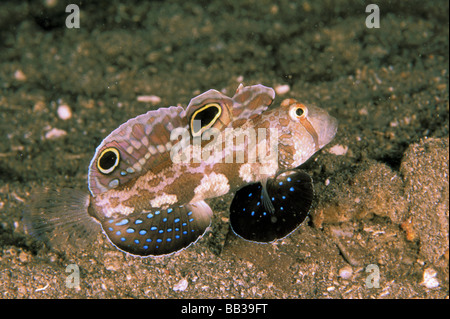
column 149, row 205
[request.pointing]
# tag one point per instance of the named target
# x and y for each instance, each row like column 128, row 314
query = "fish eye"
column 298, row 111
column 204, row 118
column 108, row 160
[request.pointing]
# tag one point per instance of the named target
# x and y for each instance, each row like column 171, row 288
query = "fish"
column 149, row 179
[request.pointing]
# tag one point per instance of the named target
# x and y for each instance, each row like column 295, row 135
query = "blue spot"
column 122, row 239
column 257, row 204
column 164, row 219
column 243, row 209
column 280, row 183
column 190, row 213
column 185, row 233
column 176, row 220
column 253, row 213
column 159, row 240
column 142, row 232
column 273, row 199
column 148, row 240
column 145, row 247
column 283, row 197
column 291, row 189
column 122, row 222
column 169, row 210
column 281, row 208
column 110, row 229
column 138, row 221
column 154, row 228
column 169, row 239
column 150, row 215
column 136, row 241
column 191, row 220
column 177, row 229
column 177, row 236
column 250, row 195
column 264, row 213
column 130, row 230
column 184, row 224
column 193, row 230
column 160, row 231
column 111, row 221
column 288, row 179
column 123, row 173
column 169, row 230
column 118, row 233
column 157, row 212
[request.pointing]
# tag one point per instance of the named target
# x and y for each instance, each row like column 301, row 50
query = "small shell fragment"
column 181, row 285
column 64, row 112
column 429, row 278
column 55, row 133
column 346, row 272
column 149, row 99
column 339, row 149
column 20, row 76
column 282, row 89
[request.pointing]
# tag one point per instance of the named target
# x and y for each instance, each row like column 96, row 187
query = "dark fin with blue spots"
column 160, row 231
column 60, row 218
column 290, row 193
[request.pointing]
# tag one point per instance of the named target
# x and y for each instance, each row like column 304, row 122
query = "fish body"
column 149, row 178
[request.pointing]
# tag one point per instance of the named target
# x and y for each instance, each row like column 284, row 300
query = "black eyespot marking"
column 204, row 118
column 299, row 111
column 207, row 115
column 108, row 160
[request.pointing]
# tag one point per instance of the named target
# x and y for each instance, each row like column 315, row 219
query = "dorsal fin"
column 247, row 102
column 250, row 101
column 217, row 101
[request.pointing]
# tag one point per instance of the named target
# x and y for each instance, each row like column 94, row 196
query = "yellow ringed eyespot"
column 207, row 115
column 108, row 160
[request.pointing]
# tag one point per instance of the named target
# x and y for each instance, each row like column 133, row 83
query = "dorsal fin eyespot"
column 211, row 109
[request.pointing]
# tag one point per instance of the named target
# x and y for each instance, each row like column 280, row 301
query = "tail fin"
column 60, row 218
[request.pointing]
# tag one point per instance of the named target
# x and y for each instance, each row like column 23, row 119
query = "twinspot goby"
column 150, row 177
